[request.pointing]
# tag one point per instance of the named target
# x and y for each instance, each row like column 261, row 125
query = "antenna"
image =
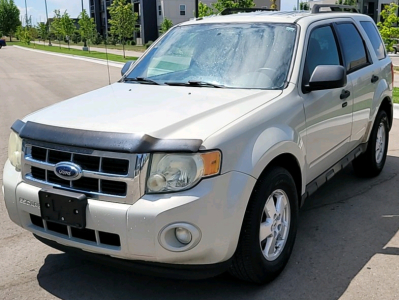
column 106, row 55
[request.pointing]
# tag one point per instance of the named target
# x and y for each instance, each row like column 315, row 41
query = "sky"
column 37, row 10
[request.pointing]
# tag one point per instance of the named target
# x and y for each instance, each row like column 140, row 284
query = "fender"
column 274, row 142
column 382, row 91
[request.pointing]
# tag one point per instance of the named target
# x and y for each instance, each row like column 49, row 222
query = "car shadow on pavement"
column 341, row 227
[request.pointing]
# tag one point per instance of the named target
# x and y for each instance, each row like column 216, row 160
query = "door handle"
column 374, row 79
column 345, row 94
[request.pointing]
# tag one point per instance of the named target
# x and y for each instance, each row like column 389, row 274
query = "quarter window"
column 322, row 50
column 182, row 10
column 375, row 39
column 353, row 47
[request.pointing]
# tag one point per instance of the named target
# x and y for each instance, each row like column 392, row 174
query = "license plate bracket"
column 63, row 207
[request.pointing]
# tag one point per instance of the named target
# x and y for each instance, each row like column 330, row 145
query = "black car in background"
column 2, row 43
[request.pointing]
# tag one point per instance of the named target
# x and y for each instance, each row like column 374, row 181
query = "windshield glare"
column 231, row 55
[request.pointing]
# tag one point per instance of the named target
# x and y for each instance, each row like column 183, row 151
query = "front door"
column 328, row 112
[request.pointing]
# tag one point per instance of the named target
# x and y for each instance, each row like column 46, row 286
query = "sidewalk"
column 111, row 51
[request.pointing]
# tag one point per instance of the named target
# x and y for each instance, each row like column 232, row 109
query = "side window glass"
column 375, row 39
column 353, row 47
column 322, row 50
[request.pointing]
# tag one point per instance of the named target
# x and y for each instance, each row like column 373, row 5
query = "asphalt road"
column 347, row 244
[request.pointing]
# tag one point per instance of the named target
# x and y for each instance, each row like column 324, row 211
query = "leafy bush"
column 76, row 37
column 97, row 39
column 148, row 44
column 130, row 43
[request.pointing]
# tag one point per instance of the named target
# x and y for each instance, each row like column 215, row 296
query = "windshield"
column 220, row 55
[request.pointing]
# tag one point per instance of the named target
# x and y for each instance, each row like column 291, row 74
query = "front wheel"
column 269, row 228
column 371, row 162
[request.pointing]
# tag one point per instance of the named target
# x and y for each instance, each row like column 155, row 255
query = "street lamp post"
column 48, row 25
column 26, row 14
column 85, row 48
column 196, row 8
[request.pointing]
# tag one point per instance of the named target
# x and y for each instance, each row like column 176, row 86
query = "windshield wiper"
column 196, row 83
column 141, row 80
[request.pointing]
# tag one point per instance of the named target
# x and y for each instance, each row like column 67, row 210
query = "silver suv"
column 200, row 157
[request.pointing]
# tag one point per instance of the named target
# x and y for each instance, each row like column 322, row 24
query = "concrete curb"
column 93, row 60
column 396, row 111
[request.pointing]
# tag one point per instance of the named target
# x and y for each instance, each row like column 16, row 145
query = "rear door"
column 362, row 72
column 328, row 117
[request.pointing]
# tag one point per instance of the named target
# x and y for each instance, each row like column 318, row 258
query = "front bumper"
column 216, row 206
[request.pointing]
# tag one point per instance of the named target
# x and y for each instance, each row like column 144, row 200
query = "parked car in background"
column 2, row 43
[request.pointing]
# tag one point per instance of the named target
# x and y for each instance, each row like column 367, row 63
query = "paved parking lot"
column 347, row 245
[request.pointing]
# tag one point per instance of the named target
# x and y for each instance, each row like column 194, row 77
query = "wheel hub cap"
column 380, row 143
column 274, row 225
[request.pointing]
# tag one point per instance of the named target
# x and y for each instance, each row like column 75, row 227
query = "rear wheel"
column 269, row 228
column 371, row 163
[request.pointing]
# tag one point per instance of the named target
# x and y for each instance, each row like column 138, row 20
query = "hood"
column 172, row 112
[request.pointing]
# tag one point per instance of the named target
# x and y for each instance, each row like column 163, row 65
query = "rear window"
column 353, row 47
column 375, row 39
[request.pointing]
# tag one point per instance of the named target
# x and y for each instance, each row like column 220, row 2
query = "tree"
column 9, row 18
column 42, row 31
column 204, row 10
column 221, row 5
column 23, row 34
column 122, row 20
column 56, row 26
column 87, row 27
column 389, row 32
column 304, row 6
column 166, row 25
column 67, row 27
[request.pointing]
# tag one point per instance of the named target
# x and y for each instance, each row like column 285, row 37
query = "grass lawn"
column 396, row 95
column 119, row 47
column 92, row 54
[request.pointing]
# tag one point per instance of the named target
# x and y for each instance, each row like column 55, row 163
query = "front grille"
column 107, row 176
column 86, row 234
column 103, row 166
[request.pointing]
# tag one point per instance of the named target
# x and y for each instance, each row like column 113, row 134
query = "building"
column 99, row 12
column 152, row 13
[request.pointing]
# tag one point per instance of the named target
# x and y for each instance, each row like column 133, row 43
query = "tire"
column 395, row 50
column 1, row 46
column 249, row 263
column 371, row 162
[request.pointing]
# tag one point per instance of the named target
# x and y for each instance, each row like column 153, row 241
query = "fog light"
column 183, row 235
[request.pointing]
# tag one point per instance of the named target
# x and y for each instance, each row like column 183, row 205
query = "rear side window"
column 353, row 47
column 375, row 39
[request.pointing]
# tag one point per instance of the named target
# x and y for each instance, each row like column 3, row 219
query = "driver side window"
column 322, row 50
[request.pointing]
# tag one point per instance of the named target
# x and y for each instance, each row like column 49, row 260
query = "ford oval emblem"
column 68, row 171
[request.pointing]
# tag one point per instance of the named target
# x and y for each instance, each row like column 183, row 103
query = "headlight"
column 15, row 150
column 178, row 172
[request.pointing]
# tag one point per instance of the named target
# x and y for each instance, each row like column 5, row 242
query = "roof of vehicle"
column 273, row 17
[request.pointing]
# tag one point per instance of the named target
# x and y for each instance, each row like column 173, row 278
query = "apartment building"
column 179, row 11
column 153, row 12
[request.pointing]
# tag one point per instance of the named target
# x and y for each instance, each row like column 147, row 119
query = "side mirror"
column 327, row 77
column 126, row 67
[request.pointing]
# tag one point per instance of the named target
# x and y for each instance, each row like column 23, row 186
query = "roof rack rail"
column 230, row 11
column 333, row 8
